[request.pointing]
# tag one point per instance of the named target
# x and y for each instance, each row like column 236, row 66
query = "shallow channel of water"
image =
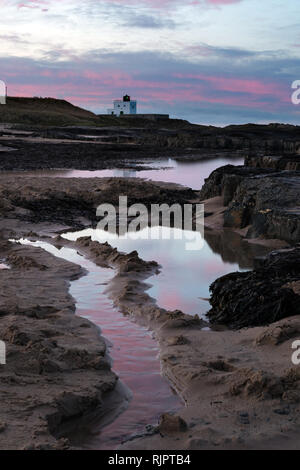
column 132, row 348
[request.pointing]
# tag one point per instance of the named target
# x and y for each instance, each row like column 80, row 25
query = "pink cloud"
column 215, row 3
column 164, row 3
column 223, row 2
column 34, row 4
column 150, row 3
column 88, row 87
column 95, row 85
column 240, row 85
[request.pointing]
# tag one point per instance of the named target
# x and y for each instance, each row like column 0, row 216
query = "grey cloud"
column 14, row 38
column 148, row 21
column 125, row 16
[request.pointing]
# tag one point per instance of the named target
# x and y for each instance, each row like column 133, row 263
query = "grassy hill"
column 50, row 112
column 54, row 112
column 44, row 111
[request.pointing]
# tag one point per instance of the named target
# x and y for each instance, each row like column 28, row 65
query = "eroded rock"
column 170, row 424
column 258, row 297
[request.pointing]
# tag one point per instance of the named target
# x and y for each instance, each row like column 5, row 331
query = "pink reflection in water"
column 134, row 353
column 185, row 276
column 3, row 266
column 191, row 174
column 135, row 360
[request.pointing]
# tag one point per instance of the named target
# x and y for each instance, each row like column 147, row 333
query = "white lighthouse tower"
column 125, row 106
column 3, row 92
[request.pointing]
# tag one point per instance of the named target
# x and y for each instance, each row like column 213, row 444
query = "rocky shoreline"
column 117, row 146
column 258, row 202
column 262, row 204
column 58, row 370
column 238, row 382
column 240, row 390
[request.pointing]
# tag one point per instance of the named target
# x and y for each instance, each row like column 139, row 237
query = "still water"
column 183, row 283
column 185, row 276
column 187, row 173
column 134, row 354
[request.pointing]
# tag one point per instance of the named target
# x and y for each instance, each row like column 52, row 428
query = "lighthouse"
column 124, row 106
column 3, row 92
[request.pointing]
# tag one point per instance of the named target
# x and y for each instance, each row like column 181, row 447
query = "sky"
column 213, row 62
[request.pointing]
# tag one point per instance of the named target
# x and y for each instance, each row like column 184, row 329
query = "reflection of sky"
column 191, row 174
column 185, row 275
column 3, row 266
column 134, row 352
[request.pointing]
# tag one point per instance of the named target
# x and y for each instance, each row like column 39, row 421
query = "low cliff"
column 265, row 202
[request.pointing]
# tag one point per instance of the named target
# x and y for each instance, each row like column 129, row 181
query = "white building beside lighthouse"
column 125, row 106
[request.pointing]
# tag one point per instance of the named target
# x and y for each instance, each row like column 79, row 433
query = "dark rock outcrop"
column 269, row 204
column 225, row 180
column 277, row 162
column 260, row 297
column 264, row 200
